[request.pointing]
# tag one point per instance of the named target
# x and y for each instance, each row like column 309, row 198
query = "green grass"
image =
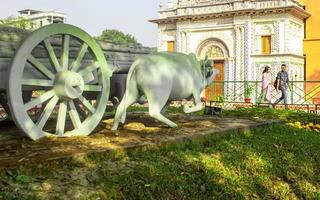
column 266, row 113
column 274, row 162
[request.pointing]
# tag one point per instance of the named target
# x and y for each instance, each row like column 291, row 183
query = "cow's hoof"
column 186, row 109
column 174, row 126
column 114, row 128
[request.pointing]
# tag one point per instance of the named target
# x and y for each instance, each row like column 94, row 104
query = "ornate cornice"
column 278, row 55
column 232, row 9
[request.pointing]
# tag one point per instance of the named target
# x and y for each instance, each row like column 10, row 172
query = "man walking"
column 282, row 84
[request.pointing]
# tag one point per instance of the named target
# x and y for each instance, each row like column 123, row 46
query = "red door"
column 214, row 90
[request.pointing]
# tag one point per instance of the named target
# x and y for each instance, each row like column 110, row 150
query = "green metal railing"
column 302, row 92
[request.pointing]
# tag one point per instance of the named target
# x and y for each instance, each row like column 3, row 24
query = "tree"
column 19, row 22
column 112, row 35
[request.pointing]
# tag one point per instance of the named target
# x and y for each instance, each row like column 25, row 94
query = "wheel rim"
column 65, row 83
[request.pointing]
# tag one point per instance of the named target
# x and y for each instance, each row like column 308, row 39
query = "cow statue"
column 164, row 77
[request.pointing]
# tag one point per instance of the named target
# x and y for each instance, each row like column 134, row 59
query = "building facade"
column 42, row 18
column 312, row 40
column 240, row 36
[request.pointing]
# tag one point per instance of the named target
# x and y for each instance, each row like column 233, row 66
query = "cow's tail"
column 121, row 112
column 130, row 73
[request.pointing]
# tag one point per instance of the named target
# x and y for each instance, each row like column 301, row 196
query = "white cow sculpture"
column 164, row 77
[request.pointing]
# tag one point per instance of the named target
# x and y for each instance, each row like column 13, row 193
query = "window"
column 266, row 44
column 170, row 46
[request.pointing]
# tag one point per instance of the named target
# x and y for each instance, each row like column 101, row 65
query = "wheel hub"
column 68, row 85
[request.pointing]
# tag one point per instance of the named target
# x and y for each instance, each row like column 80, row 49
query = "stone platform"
column 140, row 130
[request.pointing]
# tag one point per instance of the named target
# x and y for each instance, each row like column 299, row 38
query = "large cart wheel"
column 70, row 84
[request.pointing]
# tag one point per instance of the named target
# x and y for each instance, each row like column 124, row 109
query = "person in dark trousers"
column 282, row 84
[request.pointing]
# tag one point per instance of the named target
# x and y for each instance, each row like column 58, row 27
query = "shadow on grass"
column 277, row 162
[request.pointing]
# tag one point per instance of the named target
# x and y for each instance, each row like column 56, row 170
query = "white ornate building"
column 241, row 36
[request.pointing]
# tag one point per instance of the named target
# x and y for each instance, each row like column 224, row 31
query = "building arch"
column 217, row 51
column 216, row 48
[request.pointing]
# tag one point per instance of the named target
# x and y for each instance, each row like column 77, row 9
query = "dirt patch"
column 139, row 130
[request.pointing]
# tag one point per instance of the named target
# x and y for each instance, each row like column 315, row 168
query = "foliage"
column 220, row 98
column 116, row 36
column 261, row 163
column 19, row 22
column 248, row 89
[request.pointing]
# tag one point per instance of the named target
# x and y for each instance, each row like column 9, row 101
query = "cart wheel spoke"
column 74, row 115
column 52, row 55
column 47, row 112
column 88, row 78
column 37, row 82
column 65, row 52
column 40, row 67
column 89, row 69
column 77, row 62
column 87, row 104
column 61, row 118
column 43, row 98
column 93, row 88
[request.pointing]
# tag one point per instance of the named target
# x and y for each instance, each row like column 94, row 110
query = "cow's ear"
column 207, row 62
column 202, row 63
column 211, row 63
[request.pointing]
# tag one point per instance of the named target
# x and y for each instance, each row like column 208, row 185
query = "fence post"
column 291, row 91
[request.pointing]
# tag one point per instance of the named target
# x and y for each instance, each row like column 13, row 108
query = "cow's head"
column 208, row 71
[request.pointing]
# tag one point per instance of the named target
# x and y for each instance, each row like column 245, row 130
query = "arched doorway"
column 217, row 52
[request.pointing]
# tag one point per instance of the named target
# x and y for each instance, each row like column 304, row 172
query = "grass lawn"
column 280, row 161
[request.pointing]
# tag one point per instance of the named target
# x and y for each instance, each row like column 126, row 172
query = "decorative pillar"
column 187, row 37
column 275, row 37
column 248, row 72
column 230, row 68
column 183, row 42
column 160, row 42
column 178, row 40
column 237, row 53
column 242, row 54
column 239, row 66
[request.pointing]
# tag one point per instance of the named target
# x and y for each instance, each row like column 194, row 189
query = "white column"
column 230, row 66
column 242, row 55
column 183, row 42
column 178, row 40
column 187, row 42
column 237, row 54
column 247, row 51
column 239, row 67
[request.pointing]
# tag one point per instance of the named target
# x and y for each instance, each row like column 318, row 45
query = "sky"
column 129, row 16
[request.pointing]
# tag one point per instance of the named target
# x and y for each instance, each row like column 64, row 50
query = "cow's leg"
column 130, row 97
column 197, row 101
column 156, row 104
column 164, row 109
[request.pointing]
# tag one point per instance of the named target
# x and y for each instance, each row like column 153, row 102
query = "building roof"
column 38, row 12
column 26, row 11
